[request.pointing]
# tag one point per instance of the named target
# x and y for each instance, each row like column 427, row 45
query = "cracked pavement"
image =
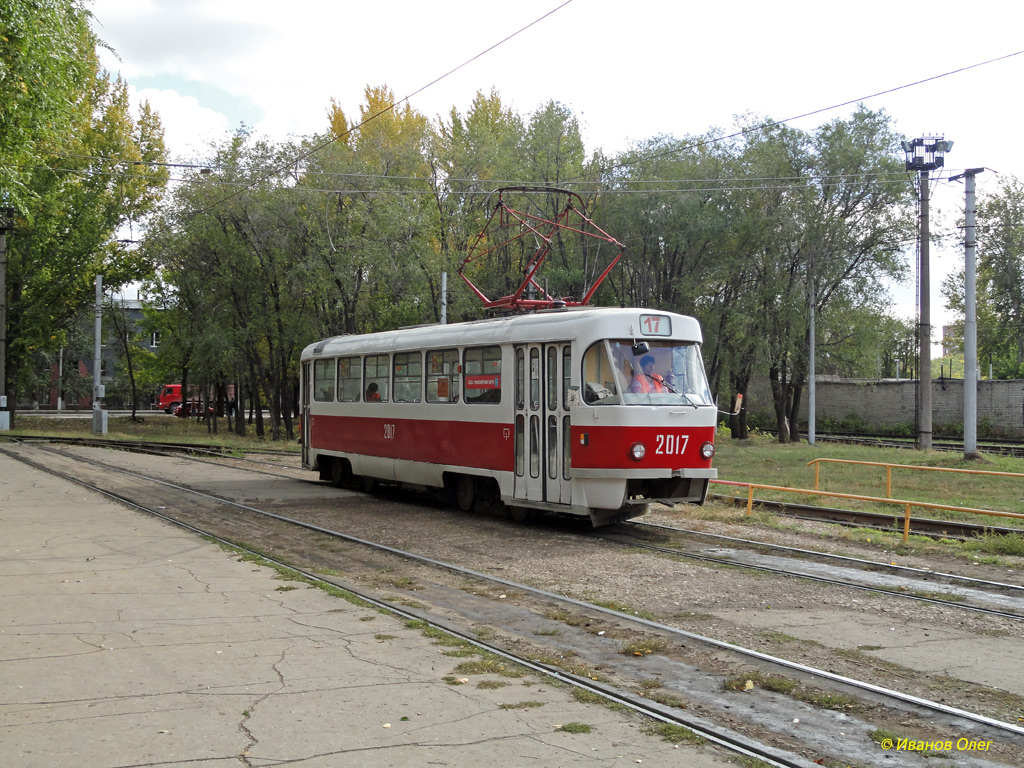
column 125, row 641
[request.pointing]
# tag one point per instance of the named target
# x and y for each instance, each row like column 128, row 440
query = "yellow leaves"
column 338, row 124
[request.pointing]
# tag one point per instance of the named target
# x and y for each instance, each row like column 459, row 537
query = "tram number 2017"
column 389, row 431
column 671, row 445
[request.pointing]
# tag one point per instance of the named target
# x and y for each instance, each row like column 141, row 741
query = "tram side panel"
column 415, row 443
column 393, row 443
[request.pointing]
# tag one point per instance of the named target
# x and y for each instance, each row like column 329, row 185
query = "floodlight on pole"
column 924, row 155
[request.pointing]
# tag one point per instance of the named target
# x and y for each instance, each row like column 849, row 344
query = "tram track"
column 936, row 528
column 1007, row 447
column 912, row 584
column 474, row 611
column 844, row 571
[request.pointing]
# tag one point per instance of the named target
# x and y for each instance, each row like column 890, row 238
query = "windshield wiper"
column 672, row 389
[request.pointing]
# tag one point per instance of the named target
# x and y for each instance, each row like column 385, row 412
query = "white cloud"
column 189, row 128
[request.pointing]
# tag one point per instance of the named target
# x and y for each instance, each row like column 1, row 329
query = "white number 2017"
column 671, row 445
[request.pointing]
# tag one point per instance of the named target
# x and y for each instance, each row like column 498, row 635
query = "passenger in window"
column 647, row 380
column 372, row 395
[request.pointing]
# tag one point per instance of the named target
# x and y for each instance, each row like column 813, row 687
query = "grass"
column 490, row 685
column 522, row 705
column 155, row 427
column 575, row 728
column 643, row 646
column 490, row 665
column 789, row 687
column 763, row 460
column 677, row 734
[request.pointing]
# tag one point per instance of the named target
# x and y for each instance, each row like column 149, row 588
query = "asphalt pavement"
column 126, row 641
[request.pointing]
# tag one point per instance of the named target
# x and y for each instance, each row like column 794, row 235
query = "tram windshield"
column 658, row 373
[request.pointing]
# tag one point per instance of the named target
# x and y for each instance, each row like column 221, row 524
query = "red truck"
column 169, row 397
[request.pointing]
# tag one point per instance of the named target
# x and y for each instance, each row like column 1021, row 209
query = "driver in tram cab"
column 647, row 380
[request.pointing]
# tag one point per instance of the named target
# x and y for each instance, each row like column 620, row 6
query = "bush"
column 854, row 422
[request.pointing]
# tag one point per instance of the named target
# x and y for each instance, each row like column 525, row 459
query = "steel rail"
column 810, row 577
column 967, row 580
column 692, row 636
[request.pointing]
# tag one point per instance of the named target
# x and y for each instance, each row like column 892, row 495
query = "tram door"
column 542, row 423
column 307, row 383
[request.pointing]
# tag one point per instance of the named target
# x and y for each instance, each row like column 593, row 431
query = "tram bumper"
column 682, row 486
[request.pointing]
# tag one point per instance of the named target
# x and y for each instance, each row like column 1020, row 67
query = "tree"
column 47, row 54
column 470, row 156
column 839, row 229
column 227, row 281
column 366, row 246
column 102, row 174
column 1000, row 284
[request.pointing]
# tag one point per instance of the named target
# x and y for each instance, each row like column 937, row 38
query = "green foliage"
column 677, row 734
column 249, row 263
column 90, row 173
column 575, row 728
column 47, row 52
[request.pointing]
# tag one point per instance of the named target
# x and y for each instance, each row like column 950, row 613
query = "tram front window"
column 668, row 373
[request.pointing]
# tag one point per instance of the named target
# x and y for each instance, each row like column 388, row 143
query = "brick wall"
column 890, row 402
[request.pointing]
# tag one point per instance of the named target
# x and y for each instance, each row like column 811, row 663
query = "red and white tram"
column 586, row 411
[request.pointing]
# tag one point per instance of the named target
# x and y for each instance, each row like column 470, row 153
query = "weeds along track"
column 778, row 710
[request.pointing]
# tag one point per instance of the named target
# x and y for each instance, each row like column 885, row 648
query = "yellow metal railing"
column 906, row 504
column 890, row 467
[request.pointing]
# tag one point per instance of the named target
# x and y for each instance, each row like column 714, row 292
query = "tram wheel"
column 368, row 484
column 340, row 473
column 465, row 492
column 520, row 514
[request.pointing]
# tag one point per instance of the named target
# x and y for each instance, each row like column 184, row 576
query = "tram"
column 586, row 411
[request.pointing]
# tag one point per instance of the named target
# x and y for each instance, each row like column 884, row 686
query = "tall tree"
column 470, row 156
column 368, row 250
column 47, row 56
column 103, row 174
column 834, row 238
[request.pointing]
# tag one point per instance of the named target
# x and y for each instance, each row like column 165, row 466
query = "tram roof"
column 549, row 325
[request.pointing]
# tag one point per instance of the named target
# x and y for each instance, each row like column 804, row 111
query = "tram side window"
column 350, row 379
column 408, row 377
column 443, row 376
column 376, row 371
column 482, row 379
column 566, row 375
column 323, row 380
column 601, row 377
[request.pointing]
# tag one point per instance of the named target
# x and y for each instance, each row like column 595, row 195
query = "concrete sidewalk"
column 125, row 641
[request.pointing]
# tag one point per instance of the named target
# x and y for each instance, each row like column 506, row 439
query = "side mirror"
column 641, row 348
column 739, row 407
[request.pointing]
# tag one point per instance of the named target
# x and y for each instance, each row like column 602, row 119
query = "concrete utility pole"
column 970, row 316
column 924, row 155
column 99, row 416
column 6, row 226
column 924, row 329
column 811, row 386
column 444, row 298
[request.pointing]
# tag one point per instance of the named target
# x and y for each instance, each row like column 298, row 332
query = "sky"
column 629, row 71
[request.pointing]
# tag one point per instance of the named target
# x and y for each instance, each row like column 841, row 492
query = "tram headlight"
column 637, row 451
column 707, row 450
